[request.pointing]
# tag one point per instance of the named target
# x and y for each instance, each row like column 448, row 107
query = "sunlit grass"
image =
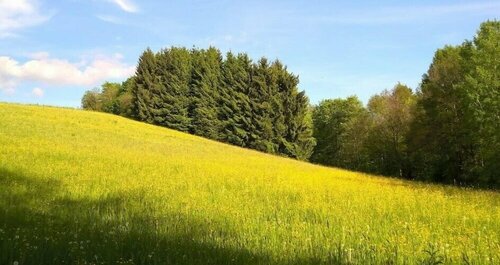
column 79, row 187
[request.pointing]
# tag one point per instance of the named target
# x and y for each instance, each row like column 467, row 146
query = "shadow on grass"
column 38, row 225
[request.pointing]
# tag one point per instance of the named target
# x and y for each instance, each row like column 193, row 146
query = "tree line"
column 446, row 131
column 232, row 99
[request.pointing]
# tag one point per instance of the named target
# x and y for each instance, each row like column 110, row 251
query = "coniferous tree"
column 235, row 110
column 174, row 75
column 255, row 105
column 293, row 123
column 204, row 92
column 145, row 82
column 277, row 90
column 261, row 137
column 300, row 129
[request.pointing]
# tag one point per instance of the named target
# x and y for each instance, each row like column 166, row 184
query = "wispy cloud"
column 18, row 14
column 46, row 70
column 110, row 19
column 126, row 5
column 37, row 92
column 389, row 15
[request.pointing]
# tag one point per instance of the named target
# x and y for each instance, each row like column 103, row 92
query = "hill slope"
column 83, row 187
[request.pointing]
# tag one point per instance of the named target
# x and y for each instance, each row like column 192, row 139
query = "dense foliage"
column 456, row 133
column 371, row 139
column 255, row 105
column 447, row 131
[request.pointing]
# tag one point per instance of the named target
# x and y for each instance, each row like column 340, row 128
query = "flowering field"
column 79, row 187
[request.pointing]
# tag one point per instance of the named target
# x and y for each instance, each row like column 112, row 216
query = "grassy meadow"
column 79, row 187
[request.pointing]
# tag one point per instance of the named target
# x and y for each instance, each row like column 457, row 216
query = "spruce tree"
column 255, row 105
column 261, row 137
column 295, row 117
column 276, row 91
column 144, row 84
column 235, row 110
column 204, row 92
column 303, row 132
column 174, row 74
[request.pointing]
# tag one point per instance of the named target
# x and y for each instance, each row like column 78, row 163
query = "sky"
column 52, row 51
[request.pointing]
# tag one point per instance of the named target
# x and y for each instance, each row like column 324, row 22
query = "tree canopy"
column 232, row 99
column 447, row 130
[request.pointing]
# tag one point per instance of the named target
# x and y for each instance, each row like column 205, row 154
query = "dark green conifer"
column 174, row 75
column 261, row 138
column 235, row 111
column 204, row 92
column 145, row 80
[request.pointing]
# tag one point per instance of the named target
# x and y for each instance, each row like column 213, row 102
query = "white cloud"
column 37, row 92
column 18, row 14
column 126, row 5
column 110, row 19
column 59, row 72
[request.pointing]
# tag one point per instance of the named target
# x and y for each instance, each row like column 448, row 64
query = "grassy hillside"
column 79, row 187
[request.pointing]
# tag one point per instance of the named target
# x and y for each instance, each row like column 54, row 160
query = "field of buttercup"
column 79, row 187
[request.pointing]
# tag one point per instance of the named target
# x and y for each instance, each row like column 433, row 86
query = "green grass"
column 79, row 187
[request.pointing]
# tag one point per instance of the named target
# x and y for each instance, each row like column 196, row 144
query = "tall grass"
column 78, row 187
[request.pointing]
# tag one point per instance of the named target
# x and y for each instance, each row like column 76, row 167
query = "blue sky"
column 52, row 51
